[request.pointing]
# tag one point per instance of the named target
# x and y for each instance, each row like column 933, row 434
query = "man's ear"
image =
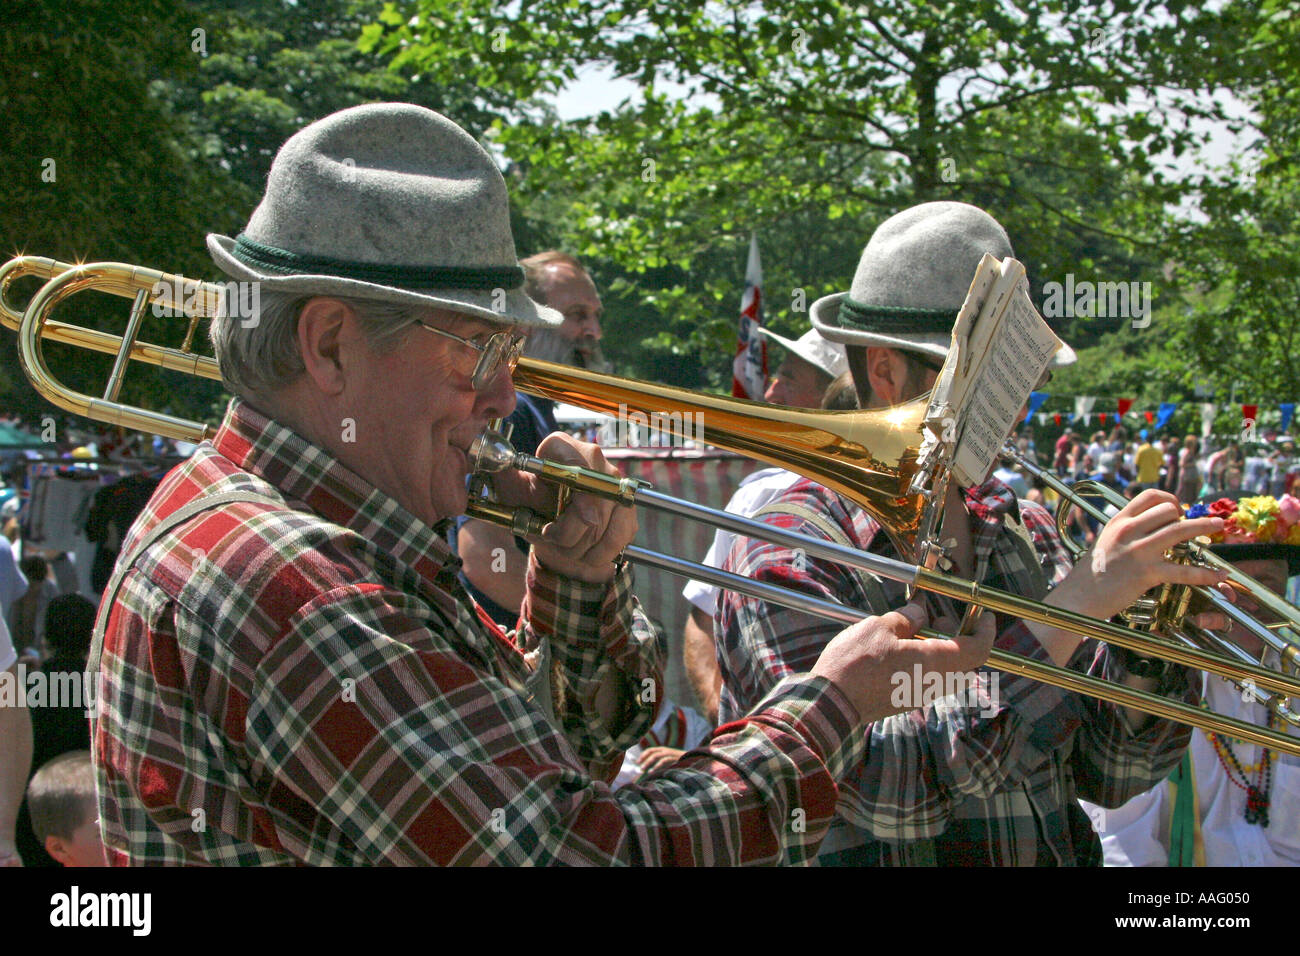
column 55, row 848
column 322, row 327
column 886, row 372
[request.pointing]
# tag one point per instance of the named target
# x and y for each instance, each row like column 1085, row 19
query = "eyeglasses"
column 501, row 348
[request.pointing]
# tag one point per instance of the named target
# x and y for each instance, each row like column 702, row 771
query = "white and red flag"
column 749, row 371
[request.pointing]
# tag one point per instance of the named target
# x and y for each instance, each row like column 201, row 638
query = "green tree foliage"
column 137, row 128
column 805, row 121
column 1241, row 327
column 273, row 67
column 96, row 167
column 811, row 121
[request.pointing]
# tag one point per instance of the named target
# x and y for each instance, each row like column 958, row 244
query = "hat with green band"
column 388, row 202
column 912, row 279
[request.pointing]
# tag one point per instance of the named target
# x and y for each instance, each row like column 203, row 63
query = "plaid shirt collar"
column 991, row 501
column 988, row 506
column 311, row 477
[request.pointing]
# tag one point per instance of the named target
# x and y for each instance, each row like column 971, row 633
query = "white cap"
column 827, row 356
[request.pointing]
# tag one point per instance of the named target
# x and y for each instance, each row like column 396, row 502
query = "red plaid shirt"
column 310, row 683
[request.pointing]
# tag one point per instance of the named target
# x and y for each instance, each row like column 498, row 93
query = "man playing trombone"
column 987, row 775
column 290, row 671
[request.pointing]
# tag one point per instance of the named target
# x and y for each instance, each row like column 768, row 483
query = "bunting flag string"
column 1084, row 408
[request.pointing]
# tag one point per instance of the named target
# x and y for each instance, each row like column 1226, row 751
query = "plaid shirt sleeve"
column 917, row 764
column 622, row 649
column 1112, row 761
column 414, row 755
column 310, row 684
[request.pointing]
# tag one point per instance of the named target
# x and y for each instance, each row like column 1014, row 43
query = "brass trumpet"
column 869, row 456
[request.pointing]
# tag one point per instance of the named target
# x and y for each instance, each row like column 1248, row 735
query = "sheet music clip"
column 930, row 481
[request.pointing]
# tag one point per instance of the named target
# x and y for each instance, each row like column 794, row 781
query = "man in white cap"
column 289, row 669
column 986, row 775
column 809, row 366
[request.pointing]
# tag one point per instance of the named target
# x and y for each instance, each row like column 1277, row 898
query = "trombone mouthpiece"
column 490, row 453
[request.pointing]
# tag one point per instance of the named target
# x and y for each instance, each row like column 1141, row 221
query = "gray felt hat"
column 389, row 202
column 912, row 279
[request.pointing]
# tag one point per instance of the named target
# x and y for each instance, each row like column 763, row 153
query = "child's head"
column 70, row 625
column 61, row 800
column 34, row 569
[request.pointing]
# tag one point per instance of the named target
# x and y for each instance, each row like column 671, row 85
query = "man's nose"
column 497, row 399
column 591, row 327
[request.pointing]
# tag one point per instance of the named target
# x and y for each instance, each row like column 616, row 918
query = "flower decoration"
column 1288, row 510
column 1261, row 519
column 1223, row 508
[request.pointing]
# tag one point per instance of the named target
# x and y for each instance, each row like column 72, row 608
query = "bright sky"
column 595, row 90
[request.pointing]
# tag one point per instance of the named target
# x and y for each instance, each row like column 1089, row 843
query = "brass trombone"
column 869, row 456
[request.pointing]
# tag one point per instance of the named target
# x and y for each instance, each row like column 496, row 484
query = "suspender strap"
column 1028, row 555
column 875, row 592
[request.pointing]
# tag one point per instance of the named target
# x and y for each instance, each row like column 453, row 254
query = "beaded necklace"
column 1257, row 794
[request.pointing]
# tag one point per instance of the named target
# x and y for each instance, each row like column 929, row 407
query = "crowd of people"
column 1189, row 467
column 306, row 653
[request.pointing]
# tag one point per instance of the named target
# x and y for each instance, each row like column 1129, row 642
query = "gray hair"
column 259, row 356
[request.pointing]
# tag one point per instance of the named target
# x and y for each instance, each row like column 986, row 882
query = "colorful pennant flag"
column 749, row 370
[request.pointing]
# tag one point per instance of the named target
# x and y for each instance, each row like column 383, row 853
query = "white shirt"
column 13, row 584
column 1013, row 480
column 8, row 656
column 1137, row 834
column 754, row 492
column 697, row 730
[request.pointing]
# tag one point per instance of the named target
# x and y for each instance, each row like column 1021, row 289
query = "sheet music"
column 1006, row 352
